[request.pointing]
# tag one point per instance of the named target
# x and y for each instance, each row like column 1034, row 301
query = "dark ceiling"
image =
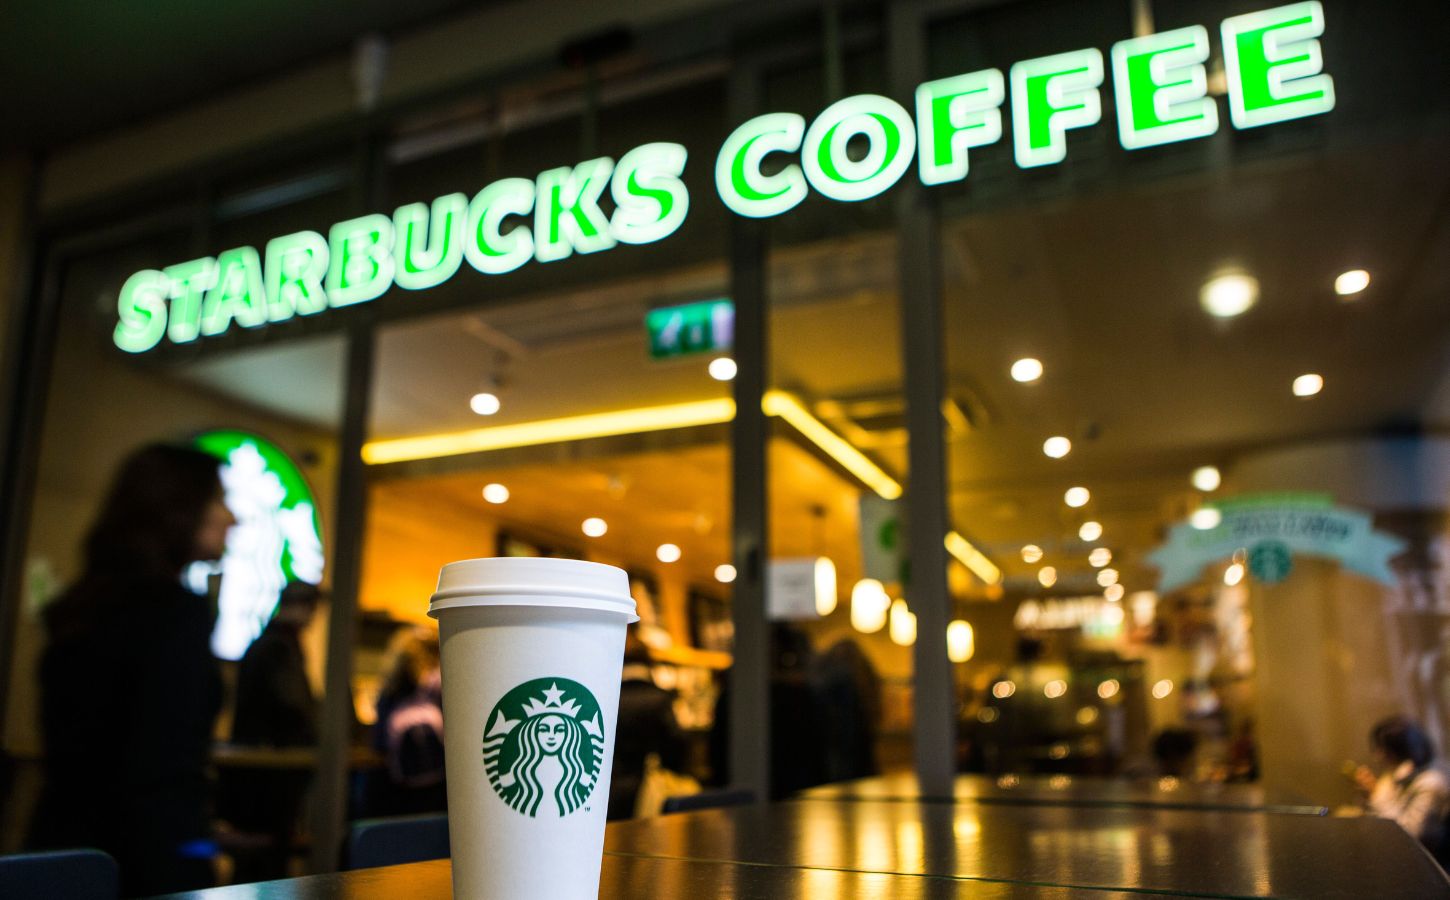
column 73, row 68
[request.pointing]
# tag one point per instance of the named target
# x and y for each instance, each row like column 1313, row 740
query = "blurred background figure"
column 1410, row 789
column 647, row 726
column 408, row 733
column 129, row 688
column 274, row 708
column 849, row 692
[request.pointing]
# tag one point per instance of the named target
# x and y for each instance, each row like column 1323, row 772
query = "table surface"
column 912, row 849
column 1075, row 790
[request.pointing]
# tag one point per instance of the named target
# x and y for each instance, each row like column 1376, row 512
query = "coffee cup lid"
column 533, row 581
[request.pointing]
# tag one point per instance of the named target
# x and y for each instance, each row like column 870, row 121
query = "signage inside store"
column 1273, row 72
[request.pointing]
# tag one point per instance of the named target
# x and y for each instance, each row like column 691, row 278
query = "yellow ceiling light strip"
column 975, row 560
column 551, row 431
column 787, row 407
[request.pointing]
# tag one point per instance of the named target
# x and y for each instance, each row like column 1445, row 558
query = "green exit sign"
column 703, row 327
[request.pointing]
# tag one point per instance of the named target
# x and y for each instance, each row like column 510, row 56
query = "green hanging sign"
column 704, row 327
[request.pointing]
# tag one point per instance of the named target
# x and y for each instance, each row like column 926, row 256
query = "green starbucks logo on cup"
column 544, row 741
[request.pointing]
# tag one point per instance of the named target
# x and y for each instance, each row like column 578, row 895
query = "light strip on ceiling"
column 551, row 431
column 975, row 560
column 786, row 406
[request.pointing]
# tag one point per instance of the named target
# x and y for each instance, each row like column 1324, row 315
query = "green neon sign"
column 277, row 538
column 703, row 327
column 769, row 165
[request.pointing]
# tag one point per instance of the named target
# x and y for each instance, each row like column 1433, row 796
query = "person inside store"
column 129, row 689
column 275, row 708
column 408, row 733
column 1410, row 789
column 849, row 692
column 647, row 726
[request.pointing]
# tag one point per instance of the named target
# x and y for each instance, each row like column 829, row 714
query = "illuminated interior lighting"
column 485, row 404
column 1054, row 688
column 1031, row 553
column 1351, row 282
column 1047, row 576
column 1207, row 478
column 1003, row 689
column 1108, row 689
column 1087, row 715
column 725, row 573
column 595, row 527
column 551, row 431
column 1026, row 370
column 667, row 553
column 1233, row 574
column 1162, row 688
column 961, row 641
column 1107, row 577
column 1206, row 518
column 869, row 605
column 1308, row 385
column 1090, row 531
column 787, row 407
column 1100, row 557
column 723, row 369
column 1057, row 447
column 495, row 493
column 975, row 560
column 1076, row 497
column 903, row 624
column 1113, row 593
column 825, row 577
column 1229, row 295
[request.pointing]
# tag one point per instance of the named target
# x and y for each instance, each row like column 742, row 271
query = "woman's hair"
column 569, row 793
column 412, row 653
column 151, row 515
column 1401, row 739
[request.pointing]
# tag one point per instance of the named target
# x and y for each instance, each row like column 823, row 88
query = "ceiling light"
column 495, row 493
column 1047, row 576
column 1100, row 557
column 903, row 624
column 1026, row 370
column 1207, row 478
column 1206, row 518
column 667, row 553
column 725, row 573
column 1308, row 385
column 1090, row 531
column 1107, row 577
column 961, row 642
column 1003, row 689
column 1108, row 689
column 1031, row 553
column 789, row 408
column 1162, row 689
column 595, row 527
column 485, row 403
column 869, row 604
column 1054, row 688
column 1113, row 593
column 1233, row 574
column 1057, row 447
column 1076, row 497
column 975, row 560
column 1229, row 295
column 1351, row 282
column 723, row 369
column 825, row 579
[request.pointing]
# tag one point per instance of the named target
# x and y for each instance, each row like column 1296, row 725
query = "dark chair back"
column 73, row 874
column 707, row 800
column 397, row 840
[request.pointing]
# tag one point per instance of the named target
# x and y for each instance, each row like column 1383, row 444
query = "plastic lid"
column 532, row 581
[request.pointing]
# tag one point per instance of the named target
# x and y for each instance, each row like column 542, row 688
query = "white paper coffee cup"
column 532, row 654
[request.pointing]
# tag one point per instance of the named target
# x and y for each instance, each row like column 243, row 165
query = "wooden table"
column 913, row 849
column 1075, row 790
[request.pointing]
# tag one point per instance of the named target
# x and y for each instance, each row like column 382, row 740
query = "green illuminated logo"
column 543, row 747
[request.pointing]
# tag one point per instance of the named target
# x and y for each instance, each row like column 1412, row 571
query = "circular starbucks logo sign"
column 543, row 746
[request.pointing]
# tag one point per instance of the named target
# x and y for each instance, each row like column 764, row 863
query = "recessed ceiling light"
column 1026, row 370
column 595, row 526
column 485, row 403
column 1100, row 557
column 667, row 553
column 1031, row 553
column 1090, row 531
column 1207, row 478
column 725, row 573
column 1113, row 593
column 1308, row 385
column 495, row 493
column 1107, row 577
column 1233, row 574
column 1206, row 518
column 1229, row 295
column 1076, row 497
column 1057, row 447
column 1047, row 576
column 1351, row 282
column 723, row 368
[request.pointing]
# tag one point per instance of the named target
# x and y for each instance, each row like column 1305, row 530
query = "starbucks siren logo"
column 544, row 742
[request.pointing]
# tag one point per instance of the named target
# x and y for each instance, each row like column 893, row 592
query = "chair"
column 707, row 800
column 73, row 874
column 397, row 840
